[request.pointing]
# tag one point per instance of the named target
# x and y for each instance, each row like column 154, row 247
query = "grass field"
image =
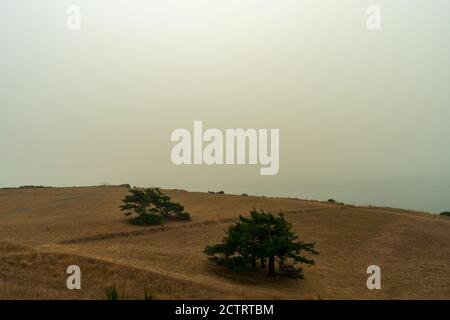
column 44, row 230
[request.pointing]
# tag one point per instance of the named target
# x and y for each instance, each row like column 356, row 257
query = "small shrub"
column 331, row 201
column 221, row 192
column 445, row 213
column 245, row 195
column 148, row 295
column 112, row 293
column 211, row 192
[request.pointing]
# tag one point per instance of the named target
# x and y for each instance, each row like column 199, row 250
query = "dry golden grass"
column 42, row 231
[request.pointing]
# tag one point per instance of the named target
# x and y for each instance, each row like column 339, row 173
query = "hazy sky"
column 99, row 104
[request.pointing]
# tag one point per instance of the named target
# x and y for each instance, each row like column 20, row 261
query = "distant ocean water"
column 433, row 198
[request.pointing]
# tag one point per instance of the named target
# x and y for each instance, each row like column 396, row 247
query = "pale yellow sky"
column 99, row 104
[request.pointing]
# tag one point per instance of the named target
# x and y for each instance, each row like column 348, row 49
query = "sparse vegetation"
column 111, row 293
column 32, row 187
column 151, row 206
column 218, row 192
column 445, row 213
column 264, row 238
column 148, row 295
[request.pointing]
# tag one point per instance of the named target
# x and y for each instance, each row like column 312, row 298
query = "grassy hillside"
column 44, row 230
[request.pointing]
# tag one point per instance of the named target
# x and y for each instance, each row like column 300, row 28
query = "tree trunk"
column 271, row 266
column 263, row 263
column 281, row 264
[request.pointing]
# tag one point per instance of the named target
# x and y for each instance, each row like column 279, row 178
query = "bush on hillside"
column 151, row 206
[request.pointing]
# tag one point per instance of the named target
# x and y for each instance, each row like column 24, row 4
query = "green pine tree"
column 151, row 206
column 260, row 238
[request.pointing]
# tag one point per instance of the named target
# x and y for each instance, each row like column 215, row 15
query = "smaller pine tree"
column 151, row 206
